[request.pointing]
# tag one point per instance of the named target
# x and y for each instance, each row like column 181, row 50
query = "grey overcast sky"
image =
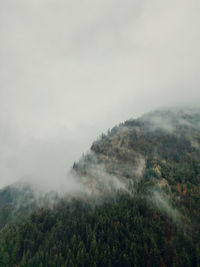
column 71, row 69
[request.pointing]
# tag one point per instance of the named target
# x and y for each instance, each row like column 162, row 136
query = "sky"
column 69, row 70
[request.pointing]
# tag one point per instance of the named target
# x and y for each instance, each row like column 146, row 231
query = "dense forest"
column 142, row 206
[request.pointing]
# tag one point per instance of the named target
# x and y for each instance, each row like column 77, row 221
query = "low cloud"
column 70, row 70
column 163, row 203
column 168, row 119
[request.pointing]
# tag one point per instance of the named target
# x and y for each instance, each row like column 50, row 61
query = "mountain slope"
column 142, row 206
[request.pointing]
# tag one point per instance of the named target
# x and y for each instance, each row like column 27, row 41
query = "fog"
column 69, row 70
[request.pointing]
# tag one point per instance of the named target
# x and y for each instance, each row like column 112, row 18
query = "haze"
column 69, row 70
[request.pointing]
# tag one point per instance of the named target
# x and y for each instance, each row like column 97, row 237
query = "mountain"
column 147, row 148
column 140, row 206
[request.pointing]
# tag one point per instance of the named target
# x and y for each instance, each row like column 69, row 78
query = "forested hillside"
column 141, row 206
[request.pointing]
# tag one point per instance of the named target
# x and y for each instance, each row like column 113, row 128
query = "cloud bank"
column 70, row 70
